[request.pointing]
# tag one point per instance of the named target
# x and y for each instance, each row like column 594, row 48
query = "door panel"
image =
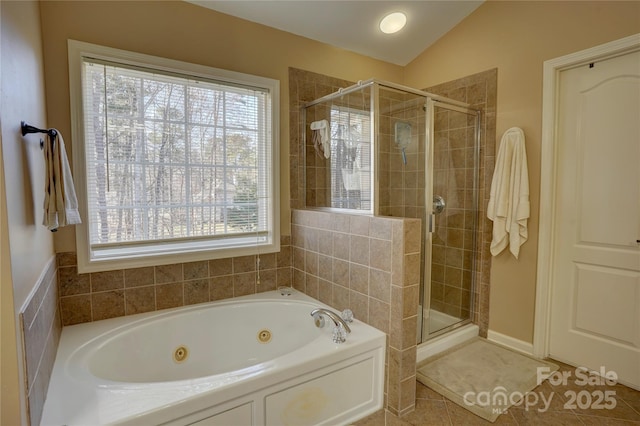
column 595, row 308
column 616, row 102
column 619, row 298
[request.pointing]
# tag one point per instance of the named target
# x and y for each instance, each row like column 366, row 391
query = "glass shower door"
column 452, row 209
column 426, row 168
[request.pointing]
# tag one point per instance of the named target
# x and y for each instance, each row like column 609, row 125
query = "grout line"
column 446, row 408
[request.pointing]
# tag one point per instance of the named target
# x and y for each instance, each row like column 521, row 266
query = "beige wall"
column 23, row 167
column 517, row 37
column 9, row 399
column 186, row 32
column 23, row 98
column 9, row 389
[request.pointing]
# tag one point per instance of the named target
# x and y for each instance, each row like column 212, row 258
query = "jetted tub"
column 251, row 360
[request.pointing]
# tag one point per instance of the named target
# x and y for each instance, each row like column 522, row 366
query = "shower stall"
column 389, row 150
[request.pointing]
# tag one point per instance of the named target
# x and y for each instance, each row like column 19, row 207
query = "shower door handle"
column 438, row 207
column 438, row 204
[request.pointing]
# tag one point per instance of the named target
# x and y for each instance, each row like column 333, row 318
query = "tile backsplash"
column 102, row 295
column 306, row 86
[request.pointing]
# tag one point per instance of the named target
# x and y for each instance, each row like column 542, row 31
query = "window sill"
column 113, row 258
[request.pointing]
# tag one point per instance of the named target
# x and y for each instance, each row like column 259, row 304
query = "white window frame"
column 92, row 260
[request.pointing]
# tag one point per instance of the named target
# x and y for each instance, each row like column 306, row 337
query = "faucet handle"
column 347, row 315
column 339, row 335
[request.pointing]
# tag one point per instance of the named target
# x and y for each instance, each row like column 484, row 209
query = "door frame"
column 548, row 169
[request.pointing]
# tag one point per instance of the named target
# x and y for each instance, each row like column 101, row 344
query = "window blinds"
column 173, row 157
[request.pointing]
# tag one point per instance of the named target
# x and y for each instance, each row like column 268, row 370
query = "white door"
column 595, row 305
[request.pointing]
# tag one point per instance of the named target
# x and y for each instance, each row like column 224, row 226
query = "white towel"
column 321, row 139
column 60, row 202
column 509, row 200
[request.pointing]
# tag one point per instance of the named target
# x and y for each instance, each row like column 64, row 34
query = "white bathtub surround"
column 251, row 360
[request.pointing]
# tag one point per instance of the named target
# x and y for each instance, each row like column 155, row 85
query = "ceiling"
column 353, row 25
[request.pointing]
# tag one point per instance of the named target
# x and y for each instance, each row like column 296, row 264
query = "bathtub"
column 251, row 360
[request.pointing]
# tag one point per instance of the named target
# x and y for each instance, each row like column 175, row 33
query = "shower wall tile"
column 359, row 225
column 411, row 274
column 379, row 250
column 306, row 86
column 96, row 296
column 410, row 296
column 359, row 278
column 448, row 272
column 407, row 395
column 367, row 252
column 380, row 285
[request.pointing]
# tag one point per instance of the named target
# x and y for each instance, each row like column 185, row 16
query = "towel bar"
column 26, row 129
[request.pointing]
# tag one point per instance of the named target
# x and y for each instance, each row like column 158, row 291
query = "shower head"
column 402, row 134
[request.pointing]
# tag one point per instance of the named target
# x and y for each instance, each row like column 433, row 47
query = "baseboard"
column 510, row 342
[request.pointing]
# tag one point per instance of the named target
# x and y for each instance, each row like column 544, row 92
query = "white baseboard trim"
column 510, row 342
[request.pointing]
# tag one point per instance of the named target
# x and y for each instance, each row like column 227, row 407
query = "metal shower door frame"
column 431, row 104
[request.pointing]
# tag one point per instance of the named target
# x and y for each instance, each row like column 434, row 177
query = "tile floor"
column 434, row 409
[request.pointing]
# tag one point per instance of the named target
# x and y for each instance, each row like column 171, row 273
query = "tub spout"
column 341, row 328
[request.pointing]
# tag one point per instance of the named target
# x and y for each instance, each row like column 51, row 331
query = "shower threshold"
column 446, row 341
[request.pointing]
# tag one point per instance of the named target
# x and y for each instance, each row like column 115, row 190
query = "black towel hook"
column 26, row 129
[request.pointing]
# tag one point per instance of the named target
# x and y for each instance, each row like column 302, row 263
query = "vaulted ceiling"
column 353, row 25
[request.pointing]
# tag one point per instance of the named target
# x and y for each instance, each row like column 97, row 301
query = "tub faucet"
column 341, row 328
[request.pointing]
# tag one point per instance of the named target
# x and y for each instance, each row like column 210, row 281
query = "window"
column 176, row 162
column 351, row 158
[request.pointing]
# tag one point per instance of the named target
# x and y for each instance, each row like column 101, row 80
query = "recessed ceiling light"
column 393, row 22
